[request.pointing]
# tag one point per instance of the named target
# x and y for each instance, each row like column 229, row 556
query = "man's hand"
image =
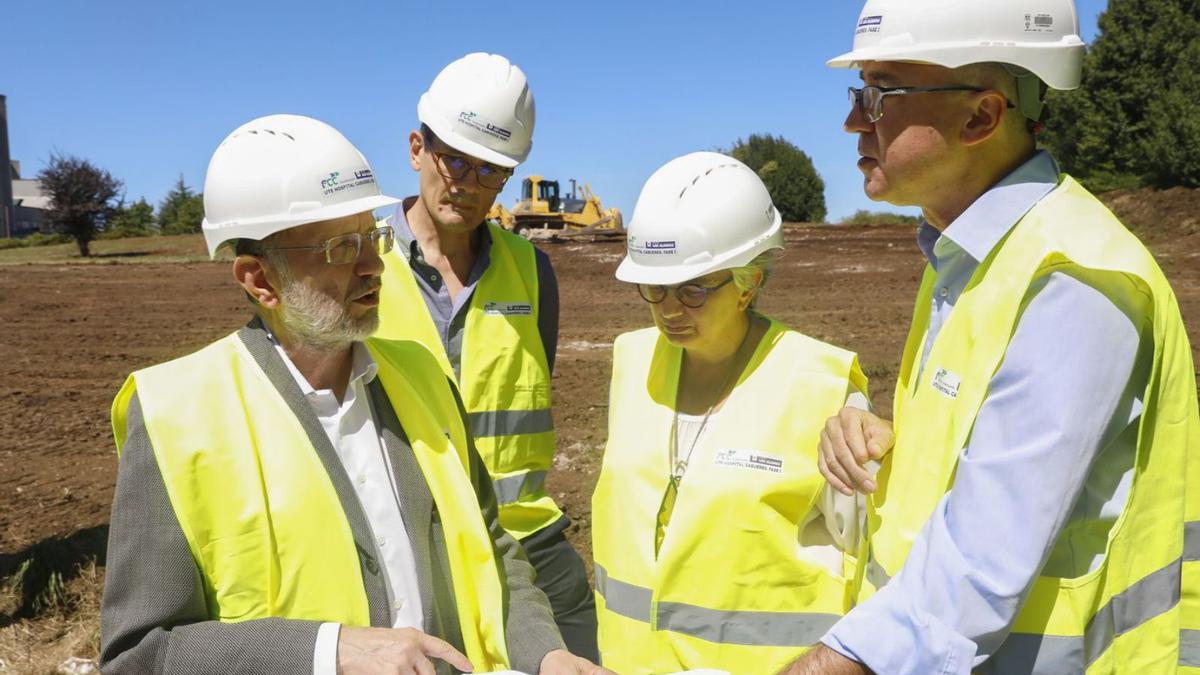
column 849, row 440
column 393, row 651
column 822, row 660
column 562, row 662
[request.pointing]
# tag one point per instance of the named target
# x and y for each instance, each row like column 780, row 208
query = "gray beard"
column 321, row 322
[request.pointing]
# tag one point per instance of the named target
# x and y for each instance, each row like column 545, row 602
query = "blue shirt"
column 1047, row 468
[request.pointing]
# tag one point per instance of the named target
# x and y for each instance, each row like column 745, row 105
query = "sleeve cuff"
column 890, row 635
column 325, row 652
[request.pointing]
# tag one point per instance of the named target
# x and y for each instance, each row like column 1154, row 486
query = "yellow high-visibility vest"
column 727, row 589
column 504, row 378
column 259, row 511
column 1124, row 617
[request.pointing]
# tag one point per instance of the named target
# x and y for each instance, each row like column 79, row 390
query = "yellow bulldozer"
column 543, row 213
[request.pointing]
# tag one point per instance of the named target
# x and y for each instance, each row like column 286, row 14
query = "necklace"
column 678, row 465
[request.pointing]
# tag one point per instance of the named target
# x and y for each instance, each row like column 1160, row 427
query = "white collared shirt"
column 352, row 430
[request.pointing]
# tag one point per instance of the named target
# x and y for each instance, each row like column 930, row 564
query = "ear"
column 251, row 275
column 747, row 297
column 415, row 144
column 988, row 109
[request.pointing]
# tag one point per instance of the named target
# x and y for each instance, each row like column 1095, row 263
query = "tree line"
column 86, row 202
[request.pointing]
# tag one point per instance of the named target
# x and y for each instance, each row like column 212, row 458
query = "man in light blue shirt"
column 1049, row 462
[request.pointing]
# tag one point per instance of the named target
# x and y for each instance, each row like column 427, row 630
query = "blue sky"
column 147, row 89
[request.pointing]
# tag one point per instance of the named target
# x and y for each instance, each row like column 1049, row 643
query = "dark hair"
column 252, row 247
column 427, row 134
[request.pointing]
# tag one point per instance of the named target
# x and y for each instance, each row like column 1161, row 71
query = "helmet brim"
column 1062, row 72
column 630, row 271
column 217, row 235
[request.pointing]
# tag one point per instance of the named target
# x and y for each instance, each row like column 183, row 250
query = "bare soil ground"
column 70, row 333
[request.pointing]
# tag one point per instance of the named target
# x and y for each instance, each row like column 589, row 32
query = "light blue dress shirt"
column 1046, row 470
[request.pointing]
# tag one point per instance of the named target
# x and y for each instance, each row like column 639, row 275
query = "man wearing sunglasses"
column 485, row 302
column 292, row 498
column 1037, row 510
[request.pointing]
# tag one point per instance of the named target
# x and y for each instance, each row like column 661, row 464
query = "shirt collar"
column 408, row 241
column 985, row 222
column 362, row 366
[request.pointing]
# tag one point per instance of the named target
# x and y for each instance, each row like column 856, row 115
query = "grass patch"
column 69, row 626
column 865, row 217
column 154, row 249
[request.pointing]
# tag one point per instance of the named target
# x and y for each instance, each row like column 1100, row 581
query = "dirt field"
column 69, row 333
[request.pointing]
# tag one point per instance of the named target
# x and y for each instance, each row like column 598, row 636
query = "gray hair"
column 753, row 275
column 259, row 249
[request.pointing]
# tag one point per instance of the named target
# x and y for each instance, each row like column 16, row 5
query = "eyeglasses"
column 689, row 295
column 456, row 168
column 346, row 248
column 869, row 99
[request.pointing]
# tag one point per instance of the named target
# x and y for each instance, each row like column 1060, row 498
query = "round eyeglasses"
column 691, row 294
column 869, row 99
column 346, row 248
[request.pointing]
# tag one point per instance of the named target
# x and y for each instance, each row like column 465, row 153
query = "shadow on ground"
column 38, row 575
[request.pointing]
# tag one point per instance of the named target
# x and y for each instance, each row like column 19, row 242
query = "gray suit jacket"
column 154, row 617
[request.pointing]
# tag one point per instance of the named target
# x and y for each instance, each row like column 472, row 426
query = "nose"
column 670, row 305
column 856, row 120
column 369, row 263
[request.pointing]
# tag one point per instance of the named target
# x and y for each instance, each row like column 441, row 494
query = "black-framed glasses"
column 456, row 168
column 869, row 99
column 346, row 248
column 689, row 295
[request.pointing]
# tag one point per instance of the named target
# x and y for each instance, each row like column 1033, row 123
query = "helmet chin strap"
column 1031, row 92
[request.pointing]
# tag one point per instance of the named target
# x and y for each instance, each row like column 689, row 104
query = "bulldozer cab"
column 547, row 191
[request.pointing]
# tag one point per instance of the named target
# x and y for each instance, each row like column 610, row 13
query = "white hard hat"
column 280, row 171
column 1041, row 37
column 697, row 214
column 481, row 105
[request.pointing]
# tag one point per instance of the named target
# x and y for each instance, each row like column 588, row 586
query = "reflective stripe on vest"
column 515, row 488
column 729, row 588
column 1124, row 616
column 273, row 540
column 503, row 374
column 762, row 629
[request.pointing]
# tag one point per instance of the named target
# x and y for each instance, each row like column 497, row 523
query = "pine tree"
column 181, row 211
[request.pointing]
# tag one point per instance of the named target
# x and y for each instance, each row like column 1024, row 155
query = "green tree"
column 134, row 220
column 1132, row 121
column 182, row 210
column 794, row 184
column 81, row 198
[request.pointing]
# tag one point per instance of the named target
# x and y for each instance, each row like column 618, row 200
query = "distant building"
column 29, row 203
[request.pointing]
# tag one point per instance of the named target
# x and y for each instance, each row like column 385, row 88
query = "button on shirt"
column 351, row 428
column 1047, row 468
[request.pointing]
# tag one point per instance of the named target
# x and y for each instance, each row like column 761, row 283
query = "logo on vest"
column 946, row 383
column 508, row 309
column 748, row 459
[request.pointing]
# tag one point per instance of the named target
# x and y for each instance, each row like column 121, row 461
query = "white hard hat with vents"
column 281, row 171
column 1041, row 37
column 481, row 105
column 697, row 214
